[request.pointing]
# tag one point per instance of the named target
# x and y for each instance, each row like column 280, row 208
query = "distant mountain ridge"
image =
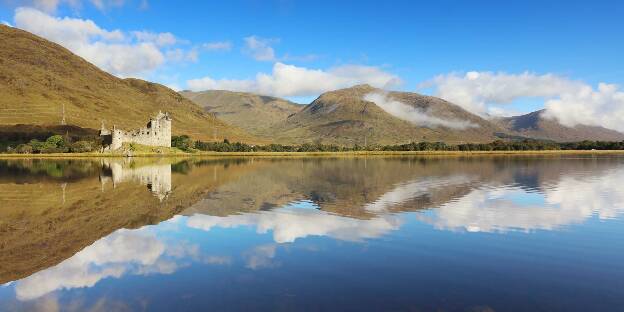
column 252, row 112
column 534, row 125
column 345, row 117
column 40, row 82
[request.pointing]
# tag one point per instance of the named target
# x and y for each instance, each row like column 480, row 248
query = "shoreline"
column 316, row 154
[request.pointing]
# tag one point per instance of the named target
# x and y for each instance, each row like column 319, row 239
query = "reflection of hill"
column 343, row 186
column 364, row 187
column 45, row 222
column 53, row 209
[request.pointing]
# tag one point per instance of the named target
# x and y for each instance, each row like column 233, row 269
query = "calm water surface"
column 392, row 234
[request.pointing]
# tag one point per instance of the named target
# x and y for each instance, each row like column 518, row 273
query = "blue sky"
column 575, row 41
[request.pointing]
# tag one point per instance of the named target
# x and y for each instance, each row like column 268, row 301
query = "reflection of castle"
column 157, row 177
column 157, row 132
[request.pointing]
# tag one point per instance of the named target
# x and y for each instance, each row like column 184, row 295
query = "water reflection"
column 570, row 200
column 135, row 252
column 70, row 226
column 157, row 176
column 297, row 221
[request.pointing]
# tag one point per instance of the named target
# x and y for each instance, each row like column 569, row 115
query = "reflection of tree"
column 36, row 170
column 37, row 230
column 349, row 195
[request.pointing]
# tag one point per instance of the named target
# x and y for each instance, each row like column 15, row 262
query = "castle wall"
column 156, row 133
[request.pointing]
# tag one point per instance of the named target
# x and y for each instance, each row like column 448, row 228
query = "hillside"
column 38, row 78
column 251, row 112
column 345, row 117
column 533, row 125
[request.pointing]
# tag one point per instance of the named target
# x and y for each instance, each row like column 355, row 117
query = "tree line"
column 65, row 144
column 187, row 144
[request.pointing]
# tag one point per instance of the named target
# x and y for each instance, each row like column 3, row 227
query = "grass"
column 40, row 79
column 146, row 152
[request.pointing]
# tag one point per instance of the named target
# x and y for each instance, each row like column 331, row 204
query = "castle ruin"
column 157, row 132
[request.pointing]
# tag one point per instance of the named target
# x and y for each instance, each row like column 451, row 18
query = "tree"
column 81, row 147
column 24, row 149
column 182, row 142
column 55, row 141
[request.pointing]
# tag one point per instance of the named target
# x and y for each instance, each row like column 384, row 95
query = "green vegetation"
column 54, row 144
column 183, row 142
column 179, row 144
column 499, row 145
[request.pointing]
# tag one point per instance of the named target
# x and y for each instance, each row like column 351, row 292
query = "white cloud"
column 587, row 106
column 47, row 5
column 260, row 48
column 6, row 23
column 413, row 114
column 569, row 101
column 217, row 46
column 160, row 39
column 105, row 4
column 290, row 80
column 476, row 91
column 51, row 6
column 289, row 224
column 180, row 55
column 111, row 50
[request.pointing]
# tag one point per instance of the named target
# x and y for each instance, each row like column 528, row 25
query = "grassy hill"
column 344, row 117
column 251, row 112
column 533, row 125
column 38, row 78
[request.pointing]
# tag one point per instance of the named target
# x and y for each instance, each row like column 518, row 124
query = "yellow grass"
column 178, row 153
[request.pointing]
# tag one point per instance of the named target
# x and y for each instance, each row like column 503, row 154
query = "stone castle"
column 157, row 132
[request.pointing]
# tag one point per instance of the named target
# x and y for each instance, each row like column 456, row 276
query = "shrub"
column 56, row 141
column 81, row 147
column 182, row 142
column 24, row 149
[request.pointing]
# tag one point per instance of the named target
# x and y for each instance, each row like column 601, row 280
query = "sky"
column 493, row 58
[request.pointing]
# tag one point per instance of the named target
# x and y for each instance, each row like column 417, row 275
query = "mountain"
column 251, row 112
column 534, row 125
column 39, row 79
column 345, row 117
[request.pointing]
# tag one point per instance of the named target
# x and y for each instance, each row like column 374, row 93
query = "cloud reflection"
column 571, row 200
column 289, row 224
column 137, row 252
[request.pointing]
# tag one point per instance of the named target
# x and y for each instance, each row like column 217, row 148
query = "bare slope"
column 533, row 125
column 344, row 117
column 252, row 112
column 38, row 78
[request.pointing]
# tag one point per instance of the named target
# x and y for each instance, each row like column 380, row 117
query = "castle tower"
column 165, row 128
